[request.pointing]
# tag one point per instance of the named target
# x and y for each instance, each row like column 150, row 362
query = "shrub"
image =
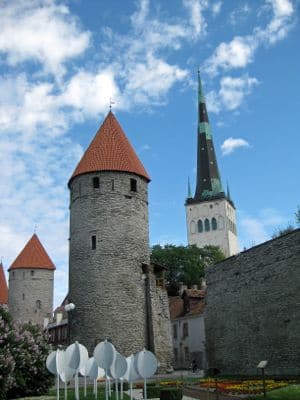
column 153, row 392
column 23, row 352
column 171, row 394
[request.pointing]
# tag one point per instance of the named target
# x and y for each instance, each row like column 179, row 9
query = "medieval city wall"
column 253, row 309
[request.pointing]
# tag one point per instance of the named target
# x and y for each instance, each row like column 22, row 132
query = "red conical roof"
column 33, row 256
column 110, row 150
column 3, row 287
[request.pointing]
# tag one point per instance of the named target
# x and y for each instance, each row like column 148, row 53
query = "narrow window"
column 13, row 274
column 96, row 182
column 112, row 184
column 207, row 225
column 38, row 304
column 200, row 226
column 93, row 242
column 23, row 275
column 185, row 330
column 214, row 225
column 31, row 273
column 133, row 186
column 23, row 296
column 176, row 355
column 175, row 331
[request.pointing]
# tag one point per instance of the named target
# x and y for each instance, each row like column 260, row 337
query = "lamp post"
column 262, row 365
column 68, row 308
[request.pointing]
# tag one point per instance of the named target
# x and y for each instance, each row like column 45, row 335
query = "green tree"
column 185, row 263
column 297, row 216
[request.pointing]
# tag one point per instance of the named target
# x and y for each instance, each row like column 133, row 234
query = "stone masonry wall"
column 26, row 288
column 162, row 336
column 106, row 284
column 253, row 309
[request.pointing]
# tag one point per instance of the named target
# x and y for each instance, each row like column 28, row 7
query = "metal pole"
column 145, row 390
column 57, row 387
column 264, row 381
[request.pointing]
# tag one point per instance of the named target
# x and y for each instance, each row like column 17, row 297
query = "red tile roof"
column 110, row 150
column 195, row 300
column 33, row 256
column 3, row 286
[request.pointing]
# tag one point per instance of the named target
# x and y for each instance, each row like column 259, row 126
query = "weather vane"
column 111, row 102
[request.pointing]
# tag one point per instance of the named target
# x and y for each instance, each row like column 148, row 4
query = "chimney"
column 182, row 288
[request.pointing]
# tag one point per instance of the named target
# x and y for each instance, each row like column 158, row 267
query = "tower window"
column 23, row 275
column 214, row 224
column 207, row 225
column 96, row 182
column 23, row 296
column 200, row 226
column 31, row 273
column 93, row 242
column 112, row 184
column 38, row 304
column 133, row 185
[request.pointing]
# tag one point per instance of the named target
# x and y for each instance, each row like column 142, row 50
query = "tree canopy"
column 185, row 263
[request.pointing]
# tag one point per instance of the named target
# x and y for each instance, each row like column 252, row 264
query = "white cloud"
column 41, row 31
column 236, row 54
column 239, row 14
column 239, row 52
column 259, row 228
column 197, row 20
column 216, row 7
column 231, row 94
column 231, row 144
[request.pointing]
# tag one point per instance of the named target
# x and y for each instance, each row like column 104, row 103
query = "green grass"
column 90, row 394
column 291, row 392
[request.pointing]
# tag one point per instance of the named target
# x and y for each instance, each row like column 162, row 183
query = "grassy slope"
column 291, row 392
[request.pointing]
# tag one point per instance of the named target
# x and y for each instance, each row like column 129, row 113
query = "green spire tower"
column 211, row 216
column 209, row 185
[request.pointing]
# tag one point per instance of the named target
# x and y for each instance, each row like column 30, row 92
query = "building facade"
column 210, row 213
column 31, row 276
column 111, row 281
column 188, row 331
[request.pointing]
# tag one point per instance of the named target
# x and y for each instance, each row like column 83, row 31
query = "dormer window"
column 133, row 185
column 96, row 182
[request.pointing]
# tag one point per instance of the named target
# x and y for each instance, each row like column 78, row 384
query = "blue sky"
column 62, row 61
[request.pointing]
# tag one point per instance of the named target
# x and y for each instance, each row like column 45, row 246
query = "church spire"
column 209, row 185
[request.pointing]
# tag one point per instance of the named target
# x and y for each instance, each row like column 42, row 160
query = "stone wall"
column 30, row 295
column 161, row 325
column 253, row 309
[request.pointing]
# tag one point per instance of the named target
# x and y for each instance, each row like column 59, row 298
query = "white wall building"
column 188, row 333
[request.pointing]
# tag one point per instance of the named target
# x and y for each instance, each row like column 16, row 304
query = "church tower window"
column 207, row 225
column 133, row 185
column 200, row 226
column 96, row 182
column 214, row 225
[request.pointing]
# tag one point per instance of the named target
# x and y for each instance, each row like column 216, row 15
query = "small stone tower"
column 3, row 286
column 111, row 281
column 210, row 214
column 31, row 277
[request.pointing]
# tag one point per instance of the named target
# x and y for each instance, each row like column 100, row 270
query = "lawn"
column 291, row 392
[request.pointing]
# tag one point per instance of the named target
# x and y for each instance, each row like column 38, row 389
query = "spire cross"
column 111, row 102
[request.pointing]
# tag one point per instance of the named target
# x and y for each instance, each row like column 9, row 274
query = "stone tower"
column 111, row 281
column 30, row 296
column 3, row 286
column 210, row 214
